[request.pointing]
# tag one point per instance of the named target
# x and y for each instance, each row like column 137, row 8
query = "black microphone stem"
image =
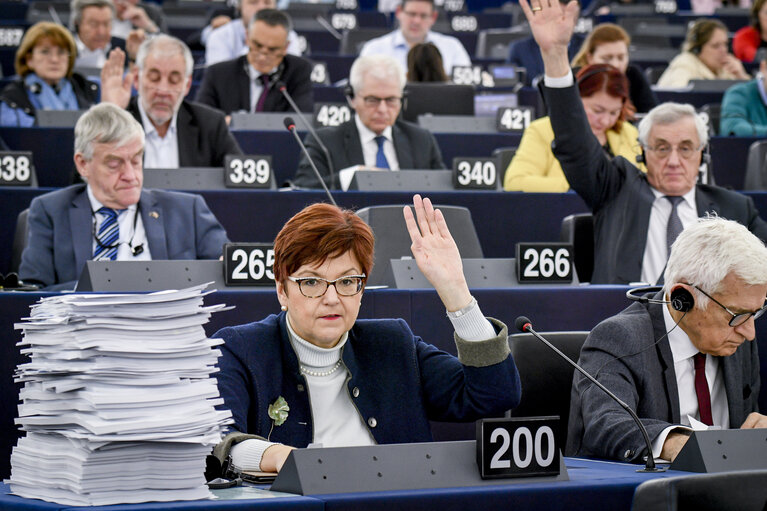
column 292, row 129
column 284, row 90
column 650, row 463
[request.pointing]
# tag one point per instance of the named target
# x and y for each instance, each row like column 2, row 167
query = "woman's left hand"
column 436, row 253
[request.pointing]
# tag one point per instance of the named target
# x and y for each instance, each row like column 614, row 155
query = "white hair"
column 165, row 46
column 669, row 113
column 381, row 67
column 105, row 123
column 711, row 249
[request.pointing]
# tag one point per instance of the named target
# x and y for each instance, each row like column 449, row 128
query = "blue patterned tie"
column 674, row 226
column 381, row 161
column 107, row 236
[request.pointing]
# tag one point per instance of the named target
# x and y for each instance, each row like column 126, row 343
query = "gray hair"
column 166, row 46
column 76, row 8
column 381, row 67
column 709, row 250
column 105, row 123
column 668, row 113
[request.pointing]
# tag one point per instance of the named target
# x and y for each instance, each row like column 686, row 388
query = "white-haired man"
column 179, row 133
column 111, row 216
column 685, row 354
column 374, row 138
column 636, row 216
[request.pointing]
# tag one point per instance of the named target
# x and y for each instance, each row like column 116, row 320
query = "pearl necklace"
column 321, row 374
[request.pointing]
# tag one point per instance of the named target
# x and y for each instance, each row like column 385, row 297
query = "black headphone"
column 681, row 299
column 349, row 91
column 596, row 69
column 694, row 40
column 705, row 157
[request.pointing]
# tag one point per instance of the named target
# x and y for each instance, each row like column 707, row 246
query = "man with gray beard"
column 179, row 133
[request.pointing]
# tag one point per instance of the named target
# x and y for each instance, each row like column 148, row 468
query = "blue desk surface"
column 593, row 485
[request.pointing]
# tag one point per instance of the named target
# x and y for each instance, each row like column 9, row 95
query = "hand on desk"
column 754, row 421
column 436, row 253
column 274, row 457
column 675, row 440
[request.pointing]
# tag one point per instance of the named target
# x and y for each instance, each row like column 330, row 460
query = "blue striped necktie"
column 107, row 235
column 381, row 161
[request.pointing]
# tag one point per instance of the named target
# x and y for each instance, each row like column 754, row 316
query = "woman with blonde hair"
column 44, row 62
column 608, row 43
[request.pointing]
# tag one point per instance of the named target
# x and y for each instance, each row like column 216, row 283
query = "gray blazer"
column 620, row 196
column 645, row 380
column 416, row 149
column 177, row 225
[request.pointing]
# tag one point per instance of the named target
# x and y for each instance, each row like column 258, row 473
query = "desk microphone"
column 327, row 26
column 284, row 90
column 291, row 127
column 523, row 324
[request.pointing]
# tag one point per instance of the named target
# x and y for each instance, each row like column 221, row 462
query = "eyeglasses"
column 737, row 319
column 685, row 151
column 314, row 287
column 417, row 15
column 269, row 51
column 49, row 53
column 374, row 101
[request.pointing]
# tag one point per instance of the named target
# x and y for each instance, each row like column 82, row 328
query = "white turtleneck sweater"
column 336, row 420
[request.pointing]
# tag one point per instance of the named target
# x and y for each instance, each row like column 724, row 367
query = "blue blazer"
column 60, row 240
column 394, row 378
column 646, row 381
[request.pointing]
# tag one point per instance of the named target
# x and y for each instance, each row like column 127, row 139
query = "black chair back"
column 19, row 240
column 578, row 230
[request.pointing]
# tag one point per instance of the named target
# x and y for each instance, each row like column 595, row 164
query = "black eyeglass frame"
column 737, row 319
column 360, row 285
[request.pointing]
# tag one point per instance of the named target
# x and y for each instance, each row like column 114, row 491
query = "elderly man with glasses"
column 636, row 216
column 374, row 138
column 682, row 357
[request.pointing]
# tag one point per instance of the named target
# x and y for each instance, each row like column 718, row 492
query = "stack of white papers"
column 118, row 403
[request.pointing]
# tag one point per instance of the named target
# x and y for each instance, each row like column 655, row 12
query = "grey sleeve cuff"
column 484, row 353
column 221, row 451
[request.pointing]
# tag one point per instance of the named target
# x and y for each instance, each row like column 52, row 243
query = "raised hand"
column 552, row 26
column 116, row 88
column 436, row 253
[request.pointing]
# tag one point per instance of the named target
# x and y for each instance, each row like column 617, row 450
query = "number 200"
column 522, row 434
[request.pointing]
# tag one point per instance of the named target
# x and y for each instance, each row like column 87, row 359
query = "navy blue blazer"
column 177, row 225
column 394, row 378
column 645, row 380
column 618, row 193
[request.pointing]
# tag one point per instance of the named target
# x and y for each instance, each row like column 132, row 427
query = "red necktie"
column 701, row 389
column 264, row 79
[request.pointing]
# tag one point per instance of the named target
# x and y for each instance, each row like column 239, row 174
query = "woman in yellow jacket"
column 604, row 92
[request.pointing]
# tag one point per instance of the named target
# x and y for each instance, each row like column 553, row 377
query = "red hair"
column 319, row 232
column 604, row 77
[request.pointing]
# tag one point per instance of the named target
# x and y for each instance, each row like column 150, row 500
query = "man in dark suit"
column 680, row 356
column 634, row 213
column 374, row 138
column 249, row 83
column 111, row 217
column 91, row 23
column 179, row 133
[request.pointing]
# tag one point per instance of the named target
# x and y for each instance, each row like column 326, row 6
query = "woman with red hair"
column 316, row 374
column 604, row 92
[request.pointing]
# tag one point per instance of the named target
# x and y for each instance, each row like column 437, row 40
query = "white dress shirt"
column 656, row 249
column 229, row 41
column 370, row 146
column 394, row 44
column 159, row 152
column 90, row 58
column 683, row 351
column 130, row 236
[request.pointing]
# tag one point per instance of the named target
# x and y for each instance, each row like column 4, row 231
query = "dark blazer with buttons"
column 646, row 381
column 397, row 382
column 15, row 94
column 226, row 86
column 416, row 149
column 619, row 195
column 60, row 240
column 204, row 138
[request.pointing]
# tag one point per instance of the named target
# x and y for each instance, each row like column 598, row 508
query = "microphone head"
column 290, row 124
column 280, row 85
column 522, row 323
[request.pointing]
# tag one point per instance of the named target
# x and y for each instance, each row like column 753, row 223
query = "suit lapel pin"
column 154, row 214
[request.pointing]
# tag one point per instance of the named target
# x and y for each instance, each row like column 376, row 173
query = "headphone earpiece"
column 682, row 300
column 349, row 91
column 641, row 157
